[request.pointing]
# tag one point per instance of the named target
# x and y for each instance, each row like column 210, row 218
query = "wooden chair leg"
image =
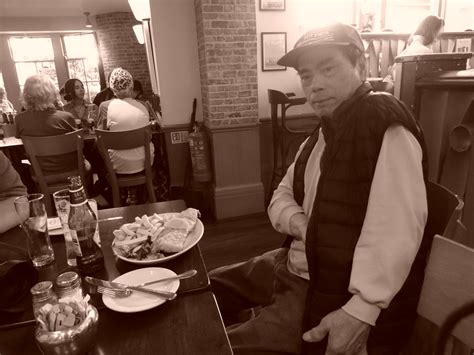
column 151, row 192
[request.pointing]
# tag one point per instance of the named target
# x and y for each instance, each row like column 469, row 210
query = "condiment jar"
column 68, row 286
column 42, row 293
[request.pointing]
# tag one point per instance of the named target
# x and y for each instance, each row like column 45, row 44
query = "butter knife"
column 98, row 282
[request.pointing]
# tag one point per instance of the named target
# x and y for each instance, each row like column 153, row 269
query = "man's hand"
column 298, row 224
column 347, row 335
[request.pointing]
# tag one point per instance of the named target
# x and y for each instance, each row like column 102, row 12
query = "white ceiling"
column 63, row 8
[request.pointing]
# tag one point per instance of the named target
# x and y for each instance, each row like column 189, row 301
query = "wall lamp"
column 138, row 29
column 88, row 21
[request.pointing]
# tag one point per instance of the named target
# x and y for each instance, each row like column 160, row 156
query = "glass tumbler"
column 33, row 217
column 61, row 202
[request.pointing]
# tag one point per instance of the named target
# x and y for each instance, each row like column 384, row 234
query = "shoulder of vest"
column 381, row 110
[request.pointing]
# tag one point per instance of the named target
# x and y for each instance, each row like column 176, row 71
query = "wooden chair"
column 448, row 282
column 120, row 140
column 285, row 137
column 37, row 147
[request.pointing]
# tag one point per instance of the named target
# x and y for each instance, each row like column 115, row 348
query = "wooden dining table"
column 189, row 324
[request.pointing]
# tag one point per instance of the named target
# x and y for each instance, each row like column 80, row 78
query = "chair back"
column 448, row 270
column 36, row 147
column 121, row 140
column 448, row 286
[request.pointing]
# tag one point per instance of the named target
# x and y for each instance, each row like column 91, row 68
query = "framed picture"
column 273, row 48
column 272, row 5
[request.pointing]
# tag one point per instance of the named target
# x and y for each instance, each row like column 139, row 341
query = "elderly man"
column 10, row 188
column 354, row 203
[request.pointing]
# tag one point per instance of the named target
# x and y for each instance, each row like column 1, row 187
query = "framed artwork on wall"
column 273, row 48
column 272, row 5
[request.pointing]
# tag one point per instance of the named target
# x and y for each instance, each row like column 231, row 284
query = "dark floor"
column 238, row 239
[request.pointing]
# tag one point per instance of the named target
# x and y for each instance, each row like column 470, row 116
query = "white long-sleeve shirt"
column 393, row 227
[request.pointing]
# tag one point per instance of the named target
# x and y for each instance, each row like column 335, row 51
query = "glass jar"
column 42, row 293
column 69, row 285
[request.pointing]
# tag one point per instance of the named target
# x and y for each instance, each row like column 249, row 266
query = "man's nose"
column 316, row 83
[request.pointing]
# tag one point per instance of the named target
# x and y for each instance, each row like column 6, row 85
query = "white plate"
column 139, row 301
column 192, row 239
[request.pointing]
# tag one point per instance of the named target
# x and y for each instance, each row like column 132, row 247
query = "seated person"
column 84, row 114
column 354, row 203
column 10, row 188
column 123, row 114
column 5, row 105
column 137, row 92
column 42, row 119
column 422, row 40
column 104, row 95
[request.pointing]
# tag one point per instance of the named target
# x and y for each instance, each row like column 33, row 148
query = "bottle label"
column 78, row 196
column 75, row 242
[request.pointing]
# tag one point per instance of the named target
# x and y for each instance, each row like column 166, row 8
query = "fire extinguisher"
column 199, row 148
column 199, row 151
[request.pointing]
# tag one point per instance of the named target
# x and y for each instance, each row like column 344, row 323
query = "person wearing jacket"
column 353, row 204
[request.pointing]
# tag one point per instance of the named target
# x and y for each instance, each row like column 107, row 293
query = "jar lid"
column 68, row 279
column 41, row 288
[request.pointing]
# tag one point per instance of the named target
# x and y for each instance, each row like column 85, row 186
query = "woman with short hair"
column 42, row 119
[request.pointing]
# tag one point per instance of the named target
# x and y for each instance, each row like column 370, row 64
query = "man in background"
column 104, row 95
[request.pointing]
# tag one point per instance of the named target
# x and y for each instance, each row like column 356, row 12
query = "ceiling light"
column 88, row 21
column 140, row 9
column 138, row 29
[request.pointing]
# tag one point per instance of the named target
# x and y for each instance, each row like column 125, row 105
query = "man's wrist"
column 362, row 310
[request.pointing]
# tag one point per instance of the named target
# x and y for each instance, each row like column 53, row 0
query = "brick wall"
column 118, row 46
column 227, row 44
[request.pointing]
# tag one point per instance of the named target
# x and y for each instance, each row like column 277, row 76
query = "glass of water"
column 33, row 217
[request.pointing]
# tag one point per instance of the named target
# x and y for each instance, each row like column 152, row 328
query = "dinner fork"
column 114, row 292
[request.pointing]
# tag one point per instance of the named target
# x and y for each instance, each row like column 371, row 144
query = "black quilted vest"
column 353, row 138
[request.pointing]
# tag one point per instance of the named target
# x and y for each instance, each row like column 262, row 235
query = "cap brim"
column 290, row 59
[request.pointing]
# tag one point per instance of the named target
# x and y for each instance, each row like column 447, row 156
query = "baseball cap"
column 336, row 33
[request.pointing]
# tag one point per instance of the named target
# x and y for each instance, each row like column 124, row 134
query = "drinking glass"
column 33, row 217
column 61, row 201
column 91, row 116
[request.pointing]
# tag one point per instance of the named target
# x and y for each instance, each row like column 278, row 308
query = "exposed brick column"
column 227, row 44
column 227, row 40
column 118, row 46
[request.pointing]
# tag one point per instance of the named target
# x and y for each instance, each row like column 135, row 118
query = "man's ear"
column 361, row 67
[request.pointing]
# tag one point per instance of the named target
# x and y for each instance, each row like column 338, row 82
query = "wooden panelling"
column 238, row 189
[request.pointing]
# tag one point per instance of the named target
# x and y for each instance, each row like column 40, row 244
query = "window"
column 83, row 61
column 405, row 15
column 33, row 55
column 459, row 15
column 320, row 12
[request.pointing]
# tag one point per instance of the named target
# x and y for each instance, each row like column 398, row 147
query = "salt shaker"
column 42, row 293
column 69, row 287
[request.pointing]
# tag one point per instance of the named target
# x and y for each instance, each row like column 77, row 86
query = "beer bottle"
column 82, row 224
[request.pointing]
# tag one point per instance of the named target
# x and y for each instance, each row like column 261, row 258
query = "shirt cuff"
column 286, row 215
column 362, row 310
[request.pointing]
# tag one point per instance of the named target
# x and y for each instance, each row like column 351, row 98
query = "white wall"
column 173, row 26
